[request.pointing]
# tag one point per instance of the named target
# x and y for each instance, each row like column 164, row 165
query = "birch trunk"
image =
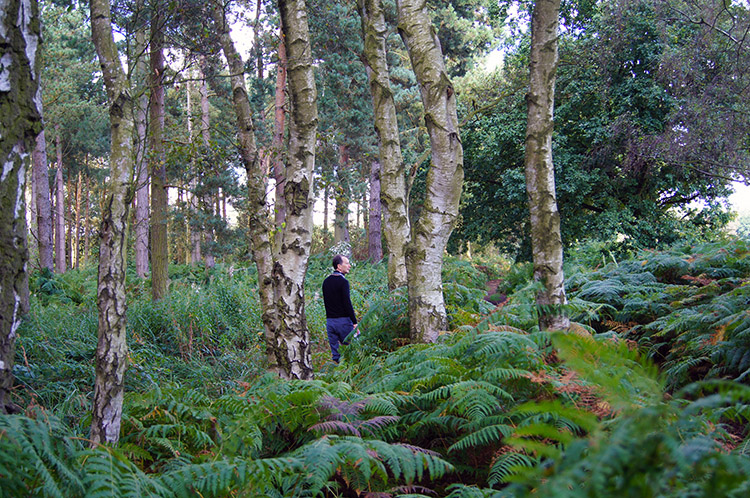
column 258, row 216
column 43, row 205
column 59, row 208
column 277, row 146
column 293, row 338
column 159, row 201
column 546, row 240
column 20, row 122
column 206, row 135
column 374, row 233
column 393, row 184
column 424, row 257
column 79, row 194
column 141, row 166
column 111, row 352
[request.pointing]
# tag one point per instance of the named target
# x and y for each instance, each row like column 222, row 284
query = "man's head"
column 341, row 264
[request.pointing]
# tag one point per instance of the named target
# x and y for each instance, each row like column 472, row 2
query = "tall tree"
column 374, row 232
column 430, row 233
column 60, row 259
column 21, row 121
column 43, row 204
column 277, row 145
column 111, row 351
column 159, row 200
column 282, row 269
column 393, row 183
column 546, row 239
column 141, row 165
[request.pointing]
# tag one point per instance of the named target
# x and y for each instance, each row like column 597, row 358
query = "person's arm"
column 348, row 303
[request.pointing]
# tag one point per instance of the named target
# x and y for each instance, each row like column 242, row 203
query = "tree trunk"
column 444, row 182
column 59, row 208
column 546, row 240
column 87, row 234
column 141, row 165
column 341, row 211
column 293, row 338
column 71, row 224
column 159, row 201
column 43, row 205
column 374, row 234
column 111, row 352
column 393, row 184
column 277, row 146
column 325, row 210
column 20, row 122
column 207, row 200
column 79, row 194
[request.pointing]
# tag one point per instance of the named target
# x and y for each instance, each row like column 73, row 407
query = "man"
column 340, row 319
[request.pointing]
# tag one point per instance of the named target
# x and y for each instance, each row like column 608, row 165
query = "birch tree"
column 429, row 235
column 281, row 269
column 546, row 240
column 392, row 181
column 20, row 122
column 111, row 351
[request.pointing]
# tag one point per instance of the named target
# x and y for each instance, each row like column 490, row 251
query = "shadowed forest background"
column 551, row 284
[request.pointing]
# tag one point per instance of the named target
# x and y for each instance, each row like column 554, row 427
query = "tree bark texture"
column 111, row 352
column 59, row 208
column 43, row 204
column 374, row 232
column 546, row 240
column 444, row 182
column 277, row 146
column 141, row 165
column 258, row 216
column 20, row 122
column 79, row 194
column 159, row 201
column 293, row 337
column 393, row 184
column 206, row 134
column 341, row 189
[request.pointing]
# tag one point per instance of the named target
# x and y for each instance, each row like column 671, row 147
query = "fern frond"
column 485, row 436
column 507, row 465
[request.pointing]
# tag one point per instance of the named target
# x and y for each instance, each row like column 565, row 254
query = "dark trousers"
column 338, row 329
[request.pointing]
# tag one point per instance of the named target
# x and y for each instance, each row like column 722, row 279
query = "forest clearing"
column 548, row 285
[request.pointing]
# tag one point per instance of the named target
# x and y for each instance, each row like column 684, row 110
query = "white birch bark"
column 20, row 122
column 546, row 239
column 424, row 256
column 111, row 352
column 393, row 193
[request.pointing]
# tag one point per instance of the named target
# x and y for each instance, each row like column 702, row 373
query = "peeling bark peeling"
column 393, row 184
column 281, row 270
column 424, row 255
column 111, row 352
column 546, row 239
column 20, row 123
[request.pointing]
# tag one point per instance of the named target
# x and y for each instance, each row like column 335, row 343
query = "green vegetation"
column 654, row 403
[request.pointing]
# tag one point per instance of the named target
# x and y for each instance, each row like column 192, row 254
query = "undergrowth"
column 651, row 401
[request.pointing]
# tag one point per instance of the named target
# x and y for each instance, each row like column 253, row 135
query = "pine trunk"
column 43, row 204
column 393, row 184
column 20, row 122
column 374, row 234
column 87, row 233
column 427, row 315
column 546, row 239
column 59, row 208
column 141, row 165
column 111, row 352
column 159, row 201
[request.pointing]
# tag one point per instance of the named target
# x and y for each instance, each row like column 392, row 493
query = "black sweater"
column 336, row 297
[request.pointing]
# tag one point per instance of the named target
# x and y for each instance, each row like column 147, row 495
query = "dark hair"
column 337, row 261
